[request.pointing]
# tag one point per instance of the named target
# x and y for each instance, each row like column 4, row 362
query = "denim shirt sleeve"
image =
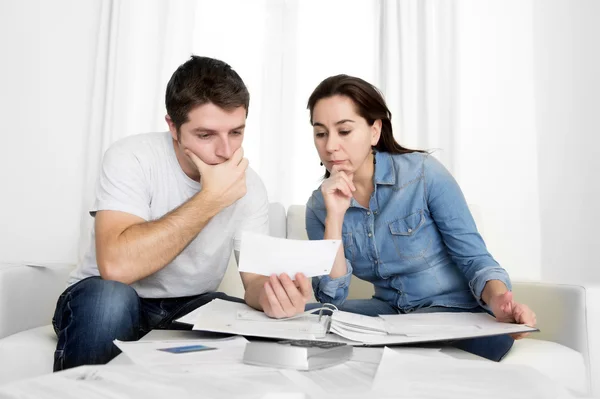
column 326, row 289
column 466, row 247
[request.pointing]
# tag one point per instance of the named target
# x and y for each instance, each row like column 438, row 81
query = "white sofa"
column 567, row 348
column 28, row 297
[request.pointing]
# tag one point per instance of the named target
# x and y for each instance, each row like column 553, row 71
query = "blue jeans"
column 93, row 312
column 492, row 348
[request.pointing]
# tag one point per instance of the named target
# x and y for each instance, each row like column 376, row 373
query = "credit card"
column 187, row 349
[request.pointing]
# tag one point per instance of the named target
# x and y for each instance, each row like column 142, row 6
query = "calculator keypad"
column 305, row 343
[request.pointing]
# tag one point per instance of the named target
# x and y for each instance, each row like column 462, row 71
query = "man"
column 169, row 208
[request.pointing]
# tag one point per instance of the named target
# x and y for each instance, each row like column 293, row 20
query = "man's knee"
column 89, row 316
column 103, row 302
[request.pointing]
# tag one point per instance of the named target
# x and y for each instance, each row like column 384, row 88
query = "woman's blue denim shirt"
column 416, row 242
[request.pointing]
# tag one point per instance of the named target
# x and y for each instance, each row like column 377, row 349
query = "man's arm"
column 129, row 248
column 253, row 285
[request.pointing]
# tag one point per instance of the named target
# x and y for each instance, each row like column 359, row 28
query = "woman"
column 403, row 220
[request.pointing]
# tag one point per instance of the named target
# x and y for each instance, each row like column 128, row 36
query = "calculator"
column 297, row 354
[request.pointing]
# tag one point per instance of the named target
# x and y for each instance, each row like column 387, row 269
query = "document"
column 415, row 328
column 415, row 377
column 266, row 255
column 341, row 379
column 372, row 355
column 353, row 379
column 239, row 318
column 229, row 351
column 424, row 323
column 140, row 382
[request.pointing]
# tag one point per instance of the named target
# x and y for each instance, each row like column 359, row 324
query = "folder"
column 354, row 329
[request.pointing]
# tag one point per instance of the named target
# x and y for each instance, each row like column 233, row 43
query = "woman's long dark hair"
column 369, row 104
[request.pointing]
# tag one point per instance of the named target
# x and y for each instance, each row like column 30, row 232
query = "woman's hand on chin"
column 337, row 191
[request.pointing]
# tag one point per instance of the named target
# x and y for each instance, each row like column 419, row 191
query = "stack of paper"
column 238, row 318
column 423, row 327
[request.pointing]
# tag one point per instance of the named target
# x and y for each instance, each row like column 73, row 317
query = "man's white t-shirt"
column 141, row 175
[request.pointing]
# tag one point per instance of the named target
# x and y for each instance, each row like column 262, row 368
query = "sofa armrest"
column 568, row 314
column 28, row 295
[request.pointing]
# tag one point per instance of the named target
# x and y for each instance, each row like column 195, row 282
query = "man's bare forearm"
column 145, row 248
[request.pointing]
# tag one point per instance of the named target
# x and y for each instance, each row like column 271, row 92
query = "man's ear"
column 172, row 127
column 375, row 132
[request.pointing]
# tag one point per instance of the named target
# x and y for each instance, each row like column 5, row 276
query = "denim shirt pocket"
column 404, row 231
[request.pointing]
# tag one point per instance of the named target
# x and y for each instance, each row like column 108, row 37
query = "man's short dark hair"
column 203, row 80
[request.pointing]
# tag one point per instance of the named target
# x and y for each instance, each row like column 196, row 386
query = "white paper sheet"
column 341, row 379
column 354, row 378
column 95, row 382
column 265, row 255
column 415, row 328
column 133, row 382
column 222, row 316
column 372, row 355
column 410, row 376
column 230, row 351
column 433, row 323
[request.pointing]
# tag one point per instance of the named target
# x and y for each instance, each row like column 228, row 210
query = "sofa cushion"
column 27, row 354
column 560, row 363
column 29, row 295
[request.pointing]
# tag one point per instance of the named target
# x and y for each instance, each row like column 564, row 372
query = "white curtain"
column 413, row 50
column 417, row 73
column 140, row 43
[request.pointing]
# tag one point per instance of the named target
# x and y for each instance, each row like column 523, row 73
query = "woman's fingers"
column 340, row 183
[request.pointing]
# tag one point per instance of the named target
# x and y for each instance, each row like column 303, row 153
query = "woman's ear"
column 375, row 132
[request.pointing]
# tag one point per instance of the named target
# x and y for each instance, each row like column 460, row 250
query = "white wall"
column 45, row 76
column 528, row 87
column 496, row 148
column 567, row 71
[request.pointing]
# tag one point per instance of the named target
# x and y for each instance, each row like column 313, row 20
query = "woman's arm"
column 449, row 210
column 332, row 288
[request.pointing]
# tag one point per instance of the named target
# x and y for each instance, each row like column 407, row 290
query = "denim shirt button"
column 369, row 234
column 368, row 213
column 410, row 230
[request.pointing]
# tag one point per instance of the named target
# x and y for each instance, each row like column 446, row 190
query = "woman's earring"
column 321, row 163
column 374, row 151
